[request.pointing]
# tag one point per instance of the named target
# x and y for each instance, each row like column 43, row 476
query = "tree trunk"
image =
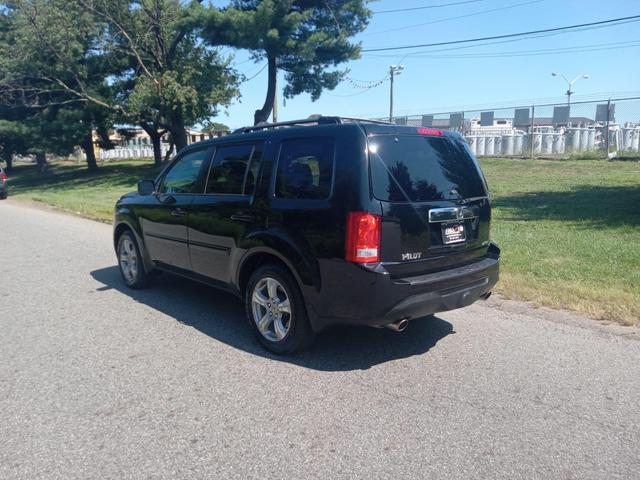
column 178, row 132
column 170, row 151
column 157, row 149
column 87, row 146
column 41, row 162
column 8, row 159
column 262, row 115
column 156, row 139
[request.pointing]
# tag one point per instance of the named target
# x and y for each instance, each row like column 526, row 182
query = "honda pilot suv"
column 323, row 221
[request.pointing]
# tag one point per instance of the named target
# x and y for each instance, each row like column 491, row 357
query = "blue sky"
column 444, row 80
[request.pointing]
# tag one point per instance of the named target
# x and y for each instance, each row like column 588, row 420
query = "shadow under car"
column 221, row 315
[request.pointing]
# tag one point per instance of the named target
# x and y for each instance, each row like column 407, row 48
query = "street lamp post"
column 569, row 83
column 393, row 70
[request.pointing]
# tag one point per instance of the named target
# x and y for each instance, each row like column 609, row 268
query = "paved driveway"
column 97, row 381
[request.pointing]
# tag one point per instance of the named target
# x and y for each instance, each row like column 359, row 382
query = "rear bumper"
column 443, row 291
column 372, row 297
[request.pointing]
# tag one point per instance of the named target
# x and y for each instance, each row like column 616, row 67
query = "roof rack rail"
column 311, row 120
column 365, row 120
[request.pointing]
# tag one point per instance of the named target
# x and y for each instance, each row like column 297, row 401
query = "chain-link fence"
column 602, row 129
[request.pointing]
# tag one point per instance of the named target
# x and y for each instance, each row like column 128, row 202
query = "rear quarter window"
column 414, row 168
column 305, row 169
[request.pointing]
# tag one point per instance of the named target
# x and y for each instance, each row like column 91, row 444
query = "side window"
column 305, row 169
column 235, row 169
column 184, row 175
column 228, row 169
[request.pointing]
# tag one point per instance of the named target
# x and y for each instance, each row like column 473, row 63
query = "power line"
column 360, row 81
column 531, row 53
column 447, row 19
column 510, row 35
column 348, row 94
column 525, row 53
column 511, row 40
column 244, row 61
column 362, row 85
column 427, row 7
column 366, row 83
column 256, row 74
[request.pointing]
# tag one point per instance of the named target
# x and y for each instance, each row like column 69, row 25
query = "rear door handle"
column 178, row 212
column 242, row 218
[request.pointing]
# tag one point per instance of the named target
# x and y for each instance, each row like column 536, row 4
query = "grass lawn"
column 68, row 186
column 569, row 230
column 569, row 233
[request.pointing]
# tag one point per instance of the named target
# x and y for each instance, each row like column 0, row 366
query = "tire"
column 130, row 262
column 3, row 196
column 285, row 327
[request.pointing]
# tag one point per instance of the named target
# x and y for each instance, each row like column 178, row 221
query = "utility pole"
column 275, row 104
column 606, row 129
column 393, row 70
column 533, row 126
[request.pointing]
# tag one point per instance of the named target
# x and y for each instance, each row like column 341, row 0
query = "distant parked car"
column 3, row 184
column 315, row 222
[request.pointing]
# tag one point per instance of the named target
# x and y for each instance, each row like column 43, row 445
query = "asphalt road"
column 97, row 381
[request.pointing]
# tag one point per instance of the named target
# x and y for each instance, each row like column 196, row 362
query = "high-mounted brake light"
column 429, row 131
column 363, row 237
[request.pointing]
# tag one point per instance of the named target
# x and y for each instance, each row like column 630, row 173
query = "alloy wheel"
column 128, row 260
column 271, row 309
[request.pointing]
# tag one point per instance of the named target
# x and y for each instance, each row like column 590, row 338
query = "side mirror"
column 146, row 187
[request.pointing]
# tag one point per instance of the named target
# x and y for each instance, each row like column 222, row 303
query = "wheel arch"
column 262, row 256
column 124, row 226
column 254, row 259
column 118, row 230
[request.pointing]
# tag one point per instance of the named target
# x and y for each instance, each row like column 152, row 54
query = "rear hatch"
column 435, row 208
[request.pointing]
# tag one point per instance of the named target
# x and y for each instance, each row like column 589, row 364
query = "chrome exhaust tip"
column 486, row 296
column 398, row 326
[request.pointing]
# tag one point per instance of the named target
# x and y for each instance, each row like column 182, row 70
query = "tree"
column 93, row 122
column 140, row 62
column 173, row 79
column 53, row 75
column 303, row 38
column 13, row 132
column 55, row 129
column 209, row 126
column 13, row 140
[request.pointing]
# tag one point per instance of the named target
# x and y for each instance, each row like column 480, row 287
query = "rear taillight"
column 363, row 237
column 3, row 177
column 429, row 131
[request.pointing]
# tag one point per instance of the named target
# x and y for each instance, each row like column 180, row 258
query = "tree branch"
column 86, row 96
column 126, row 35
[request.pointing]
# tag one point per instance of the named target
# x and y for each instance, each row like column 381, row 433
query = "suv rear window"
column 414, row 168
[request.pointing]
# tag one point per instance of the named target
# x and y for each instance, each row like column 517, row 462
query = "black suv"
column 316, row 222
